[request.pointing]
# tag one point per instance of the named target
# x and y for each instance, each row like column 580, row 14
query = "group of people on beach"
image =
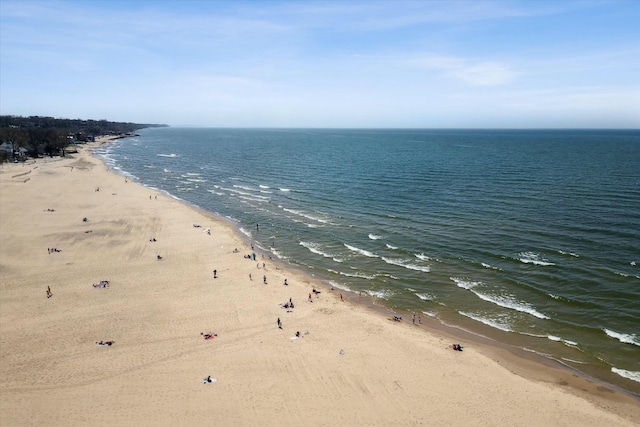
column 52, row 250
column 288, row 305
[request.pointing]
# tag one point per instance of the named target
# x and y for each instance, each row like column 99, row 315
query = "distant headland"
column 34, row 136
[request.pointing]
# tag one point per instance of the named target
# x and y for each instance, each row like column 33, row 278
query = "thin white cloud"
column 469, row 71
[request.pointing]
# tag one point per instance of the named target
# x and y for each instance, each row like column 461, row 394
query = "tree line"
column 35, row 136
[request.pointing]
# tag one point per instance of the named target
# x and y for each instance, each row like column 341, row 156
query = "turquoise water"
column 529, row 237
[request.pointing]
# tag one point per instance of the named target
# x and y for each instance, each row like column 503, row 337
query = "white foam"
column 510, row 303
column 631, row 375
column 252, row 199
column 429, row 313
column 425, row 297
column 172, row 155
column 264, row 186
column 569, row 253
column 423, row 257
column 359, row 275
column 306, row 215
column 500, row 324
column 277, row 254
column 574, row 361
column 505, row 301
column 285, row 190
column 533, row 258
column 245, row 232
column 465, row 284
column 490, row 267
column 406, row 264
column 243, row 187
column 382, row 294
column 565, row 342
column 341, row 286
column 361, row 251
column 315, row 248
column 391, row 247
column 624, row 338
column 374, row 237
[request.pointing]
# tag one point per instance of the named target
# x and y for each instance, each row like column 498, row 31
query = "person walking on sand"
column 341, row 299
column 264, row 279
column 250, row 277
column 414, row 318
column 215, row 274
column 49, row 294
column 279, row 323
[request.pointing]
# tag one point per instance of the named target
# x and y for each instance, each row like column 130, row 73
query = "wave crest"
column 623, row 338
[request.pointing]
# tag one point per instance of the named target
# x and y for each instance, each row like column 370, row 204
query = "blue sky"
column 426, row 64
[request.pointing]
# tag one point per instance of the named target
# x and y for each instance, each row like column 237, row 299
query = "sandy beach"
column 351, row 365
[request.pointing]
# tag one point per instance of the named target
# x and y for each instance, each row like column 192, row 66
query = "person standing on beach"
column 279, row 323
column 215, row 274
column 414, row 318
column 264, row 279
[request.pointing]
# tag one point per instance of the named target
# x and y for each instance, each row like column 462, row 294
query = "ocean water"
column 529, row 237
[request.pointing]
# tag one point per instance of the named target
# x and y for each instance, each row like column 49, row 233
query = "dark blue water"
column 529, row 237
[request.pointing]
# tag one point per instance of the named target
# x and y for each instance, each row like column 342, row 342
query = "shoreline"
column 518, row 359
column 383, row 350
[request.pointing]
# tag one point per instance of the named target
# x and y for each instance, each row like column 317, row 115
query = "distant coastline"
column 35, row 136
